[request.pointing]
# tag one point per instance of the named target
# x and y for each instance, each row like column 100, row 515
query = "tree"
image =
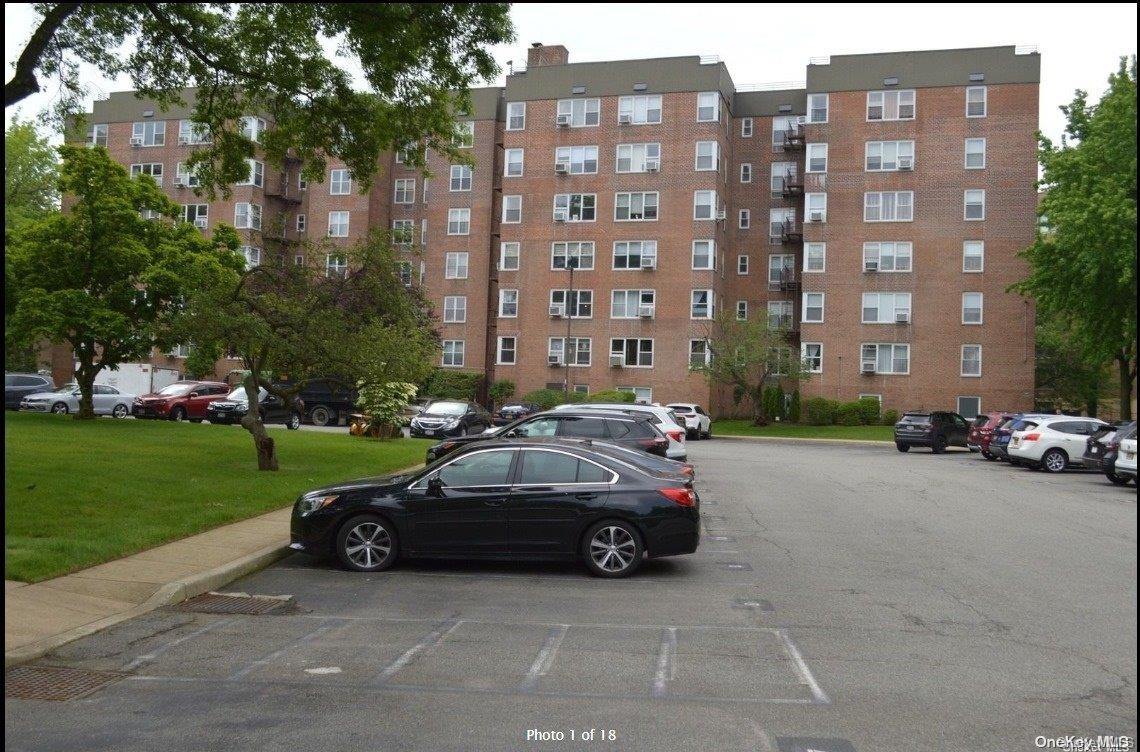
column 501, row 391
column 418, row 60
column 1063, row 374
column 291, row 325
column 1083, row 266
column 750, row 357
column 31, row 171
column 100, row 277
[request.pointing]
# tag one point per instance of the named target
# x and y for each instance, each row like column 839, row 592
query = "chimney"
column 550, row 54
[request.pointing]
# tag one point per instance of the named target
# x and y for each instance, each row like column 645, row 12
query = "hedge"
column 611, row 395
column 869, row 409
column 849, row 414
column 444, row 383
column 821, row 411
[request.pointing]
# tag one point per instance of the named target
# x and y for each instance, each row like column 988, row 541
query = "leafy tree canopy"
column 31, row 168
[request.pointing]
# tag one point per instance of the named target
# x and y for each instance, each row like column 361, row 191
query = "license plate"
column 1129, row 455
column 429, row 432
column 1015, row 442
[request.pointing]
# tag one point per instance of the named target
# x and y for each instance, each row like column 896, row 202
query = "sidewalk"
column 42, row 616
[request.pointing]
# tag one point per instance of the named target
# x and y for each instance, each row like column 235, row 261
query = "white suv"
column 665, row 419
column 698, row 424
column 1126, row 459
column 1055, row 443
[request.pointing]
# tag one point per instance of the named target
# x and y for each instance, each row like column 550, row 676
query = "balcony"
column 791, row 231
column 792, row 185
column 285, row 188
column 783, row 322
column 784, row 281
column 794, row 137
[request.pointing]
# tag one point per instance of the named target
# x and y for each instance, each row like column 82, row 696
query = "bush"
column 795, row 410
column 611, row 395
column 444, row 383
column 869, row 408
column 890, row 417
column 849, row 414
column 821, row 411
column 501, row 391
column 384, row 403
column 545, row 398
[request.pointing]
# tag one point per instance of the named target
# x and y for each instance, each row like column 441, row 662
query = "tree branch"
column 23, row 82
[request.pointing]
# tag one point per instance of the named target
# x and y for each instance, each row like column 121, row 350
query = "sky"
column 1080, row 44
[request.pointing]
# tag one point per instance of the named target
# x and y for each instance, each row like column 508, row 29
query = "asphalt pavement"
column 844, row 598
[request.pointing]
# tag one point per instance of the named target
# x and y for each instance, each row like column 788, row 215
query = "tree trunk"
column 85, row 377
column 1126, row 378
column 265, row 447
column 759, row 418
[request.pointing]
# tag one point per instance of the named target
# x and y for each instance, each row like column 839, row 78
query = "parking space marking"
column 148, row 657
column 265, row 661
column 545, row 658
column 665, row 658
column 429, row 641
column 817, row 693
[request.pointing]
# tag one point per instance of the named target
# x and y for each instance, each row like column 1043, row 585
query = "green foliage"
column 384, row 403
column 795, row 410
column 1065, row 378
column 545, row 398
column 200, row 362
column 849, row 414
column 821, row 411
column 1083, row 264
column 446, row 383
column 609, row 395
column 869, row 408
column 501, row 391
column 31, row 169
column 890, row 417
column 417, row 61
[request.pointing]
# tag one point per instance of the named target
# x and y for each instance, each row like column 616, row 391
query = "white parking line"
column 802, row 670
column 665, row 656
column 278, row 653
column 429, row 641
column 545, row 658
column 148, row 657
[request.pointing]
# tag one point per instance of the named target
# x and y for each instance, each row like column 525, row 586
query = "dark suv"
column 20, row 385
column 935, row 429
column 1102, row 448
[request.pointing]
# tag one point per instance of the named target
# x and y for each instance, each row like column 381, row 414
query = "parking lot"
column 844, row 597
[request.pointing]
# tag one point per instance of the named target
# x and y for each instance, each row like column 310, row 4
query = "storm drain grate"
column 238, row 603
column 54, row 683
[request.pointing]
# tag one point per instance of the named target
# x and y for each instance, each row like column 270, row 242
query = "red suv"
column 982, row 430
column 182, row 400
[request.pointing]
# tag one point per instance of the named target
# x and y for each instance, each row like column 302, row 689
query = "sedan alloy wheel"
column 120, row 411
column 613, row 549
column 59, row 408
column 1054, row 461
column 366, row 544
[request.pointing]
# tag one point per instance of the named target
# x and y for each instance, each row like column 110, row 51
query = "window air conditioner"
column 562, row 120
column 561, row 215
column 625, row 118
column 136, row 142
column 815, row 216
column 868, row 366
column 721, row 215
column 870, row 265
column 200, row 223
column 648, row 262
column 906, row 163
column 616, row 361
column 902, row 317
column 652, row 165
column 179, row 182
column 557, row 311
column 561, row 168
column 645, row 311
column 554, row 360
column 183, row 140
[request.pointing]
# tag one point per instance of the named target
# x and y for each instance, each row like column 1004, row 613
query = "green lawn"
column 78, row 493
column 745, row 428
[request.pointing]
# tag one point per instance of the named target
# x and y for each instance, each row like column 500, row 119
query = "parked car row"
column 105, row 400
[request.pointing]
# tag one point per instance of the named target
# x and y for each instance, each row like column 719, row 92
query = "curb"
column 170, row 593
column 873, row 442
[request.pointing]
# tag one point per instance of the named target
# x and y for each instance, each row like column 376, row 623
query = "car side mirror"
column 435, row 486
column 193, row 395
column 513, row 434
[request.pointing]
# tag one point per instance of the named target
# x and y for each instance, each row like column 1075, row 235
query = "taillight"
column 684, row 497
column 688, row 470
column 1031, row 437
column 675, row 435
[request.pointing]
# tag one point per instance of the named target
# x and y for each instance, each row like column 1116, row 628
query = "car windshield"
column 915, row 418
column 504, row 408
column 238, row 394
column 1023, row 425
column 446, row 408
column 981, row 420
column 66, row 389
column 177, row 390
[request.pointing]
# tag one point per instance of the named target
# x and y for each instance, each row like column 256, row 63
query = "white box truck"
column 137, row 378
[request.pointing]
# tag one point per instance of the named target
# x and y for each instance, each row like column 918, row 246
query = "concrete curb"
column 795, row 439
column 168, row 594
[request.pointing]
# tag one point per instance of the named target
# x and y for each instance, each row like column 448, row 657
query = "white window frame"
column 638, row 351
column 981, row 309
column 510, row 250
column 567, row 107
column 713, row 204
column 875, row 247
column 742, row 264
column 893, row 345
column 744, row 219
column 460, row 219
column 302, row 222
column 804, row 309
column 781, row 310
column 703, row 103
column 337, row 224
column 460, row 175
column 569, row 197
column 336, row 265
column 879, row 194
column 340, row 182
column 962, row 363
column 638, row 155
column 252, row 127
column 516, row 110
column 883, row 96
column 900, row 302
column 646, row 205
column 646, row 248
column 500, row 349
column 641, row 297
column 97, row 135
column 573, row 249
column 456, row 265
column 966, row 154
column 194, row 133
column 966, row 246
column 747, row 127
column 713, row 157
column 985, row 102
column 711, row 255
column 639, row 107
column 147, row 168
column 780, row 171
column 402, row 194
column 578, row 157
column 809, row 361
column 458, row 353
column 582, row 298
column 808, row 157
column 742, row 310
column 746, row 172
column 812, row 108
column 251, row 214
column 966, row 205
column 508, row 163
column 822, row 255
column 455, row 309
column 403, row 231
column 149, row 130
column 901, row 149
column 505, row 300
column 809, row 199
column 703, row 353
column 571, row 346
column 465, row 134
column 251, row 254
column 512, row 206
column 710, row 304
column 200, row 211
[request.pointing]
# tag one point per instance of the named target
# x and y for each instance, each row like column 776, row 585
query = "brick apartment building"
column 876, row 214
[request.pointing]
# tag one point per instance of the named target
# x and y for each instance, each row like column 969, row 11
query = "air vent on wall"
column 148, row 113
column 640, row 87
column 578, row 90
column 977, row 76
column 785, row 108
column 891, row 81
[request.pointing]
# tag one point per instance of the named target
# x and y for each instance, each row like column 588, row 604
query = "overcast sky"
column 1080, row 44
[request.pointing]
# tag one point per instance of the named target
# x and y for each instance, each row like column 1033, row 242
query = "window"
column 641, row 394
column 508, row 304
column 777, row 218
column 513, row 164
column 196, row 213
column 577, row 160
column 628, row 304
column 190, row 132
column 338, row 224
column 581, row 252
column 746, row 173
column 887, row 257
column 742, row 264
column 781, row 269
column 508, row 348
column 642, row 110
column 458, row 221
column 888, row 156
column 742, row 310
column 252, row 128
column 890, row 105
column 813, row 308
column 635, row 207
column 973, row 255
column 426, row 182
column 969, row 407
column 635, row 353
column 704, row 204
column 580, row 113
column 97, row 135
column 454, row 309
column 817, row 108
column 811, row 353
column 887, row 358
column 251, row 255
column 890, row 206
column 885, row 307
column 815, row 207
column 403, row 230
column 779, row 314
column 637, row 157
column 975, row 153
column 512, row 210
column 704, row 254
column 154, row 169
column 971, row 308
column 460, row 178
column 149, row 133
column 405, row 191
column 465, row 135
column 699, row 353
column 575, row 207
column 708, row 107
column 575, row 351
column 453, row 358
column 256, row 174
column 403, row 271
column 581, row 302
column 975, row 205
column 816, row 158
column 815, row 257
column 423, row 232
column 971, row 360
column 706, row 158
column 508, row 257
column 302, row 184
column 340, row 184
column 782, row 172
column 745, row 219
column 336, row 265
column 247, row 216
column 302, row 222
column 455, row 265
column 298, row 260
column 746, row 127
column 516, row 116
column 781, row 125
column 629, row 254
column 975, row 101
column 701, row 305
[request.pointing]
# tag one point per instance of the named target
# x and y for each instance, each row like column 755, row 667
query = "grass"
column 786, row 430
column 78, row 493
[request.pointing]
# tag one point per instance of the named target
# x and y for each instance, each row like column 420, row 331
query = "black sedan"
column 445, row 418
column 632, row 431
column 513, row 411
column 505, row 499
column 272, row 408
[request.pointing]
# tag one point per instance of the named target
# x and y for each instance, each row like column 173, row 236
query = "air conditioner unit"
column 200, row 223
column 561, row 168
column 902, row 317
column 645, row 311
column 617, row 361
column 870, row 265
column 868, row 366
column 554, row 360
column 906, row 163
column 179, row 182
column 562, row 121
column 136, row 142
column 652, row 165
column 721, row 216
column 815, row 216
column 648, row 262
column 625, row 118
column 561, row 215
column 183, row 140
column 557, row 311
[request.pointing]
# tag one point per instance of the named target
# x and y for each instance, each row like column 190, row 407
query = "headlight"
column 451, row 421
column 310, row 504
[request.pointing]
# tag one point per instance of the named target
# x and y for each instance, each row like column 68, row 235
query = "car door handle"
column 494, row 502
column 585, row 496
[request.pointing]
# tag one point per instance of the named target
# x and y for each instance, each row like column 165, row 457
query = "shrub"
column 849, row 414
column 611, row 395
column 890, row 417
column 444, row 383
column 545, row 398
column 795, row 410
column 772, row 399
column 501, row 391
column 869, row 408
column 384, row 403
column 820, row 411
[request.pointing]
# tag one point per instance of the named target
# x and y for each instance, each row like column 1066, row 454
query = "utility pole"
column 571, row 264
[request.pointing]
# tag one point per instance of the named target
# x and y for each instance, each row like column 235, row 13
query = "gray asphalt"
column 844, row 598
